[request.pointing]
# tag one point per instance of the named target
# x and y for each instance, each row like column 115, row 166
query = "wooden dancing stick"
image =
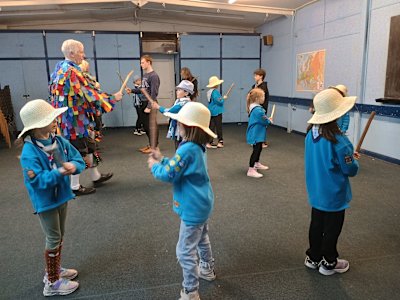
column 272, row 112
column 146, row 94
column 120, row 77
column 229, row 90
column 125, row 82
column 153, row 128
column 371, row 117
column 152, row 120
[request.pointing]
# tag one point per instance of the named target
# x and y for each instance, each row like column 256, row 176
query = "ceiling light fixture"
column 231, row 1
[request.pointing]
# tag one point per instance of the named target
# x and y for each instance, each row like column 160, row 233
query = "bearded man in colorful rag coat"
column 69, row 88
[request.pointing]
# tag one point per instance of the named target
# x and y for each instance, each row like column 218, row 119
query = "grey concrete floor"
column 122, row 239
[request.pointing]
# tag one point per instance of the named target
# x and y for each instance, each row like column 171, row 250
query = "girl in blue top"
column 47, row 160
column 216, row 107
column 329, row 162
column 183, row 91
column 256, row 133
column 193, row 198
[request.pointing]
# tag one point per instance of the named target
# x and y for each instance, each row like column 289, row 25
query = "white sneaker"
column 211, row 146
column 190, row 296
column 60, row 287
column 64, row 273
column 311, row 264
column 206, row 271
column 260, row 166
column 252, row 172
column 341, row 266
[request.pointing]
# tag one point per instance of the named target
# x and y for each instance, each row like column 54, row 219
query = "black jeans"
column 140, row 116
column 216, row 126
column 255, row 156
column 325, row 229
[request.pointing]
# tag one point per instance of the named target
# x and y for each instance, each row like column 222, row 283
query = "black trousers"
column 255, row 156
column 140, row 116
column 216, row 126
column 146, row 124
column 325, row 229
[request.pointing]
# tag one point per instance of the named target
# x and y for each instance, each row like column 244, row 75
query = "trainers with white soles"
column 189, row 296
column 60, row 287
column 341, row 266
column 252, row 172
column 311, row 264
column 260, row 166
column 64, row 273
column 206, row 271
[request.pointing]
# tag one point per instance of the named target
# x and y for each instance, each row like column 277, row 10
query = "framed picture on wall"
column 310, row 71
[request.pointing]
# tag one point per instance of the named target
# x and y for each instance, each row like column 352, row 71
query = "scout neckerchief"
column 50, row 151
column 316, row 135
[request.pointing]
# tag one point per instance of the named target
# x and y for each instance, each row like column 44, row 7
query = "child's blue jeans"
column 193, row 243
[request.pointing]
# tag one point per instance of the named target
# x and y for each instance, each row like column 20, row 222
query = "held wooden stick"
column 120, row 77
column 229, row 90
column 146, row 94
column 152, row 121
column 272, row 112
column 371, row 117
column 125, row 82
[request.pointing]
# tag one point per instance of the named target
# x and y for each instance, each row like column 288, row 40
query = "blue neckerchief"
column 316, row 135
column 51, row 150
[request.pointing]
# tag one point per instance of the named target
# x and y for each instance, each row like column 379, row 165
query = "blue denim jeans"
column 193, row 243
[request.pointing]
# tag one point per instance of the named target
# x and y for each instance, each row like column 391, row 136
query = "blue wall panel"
column 19, row 44
column 200, row 46
column 234, row 46
column 113, row 45
column 55, row 40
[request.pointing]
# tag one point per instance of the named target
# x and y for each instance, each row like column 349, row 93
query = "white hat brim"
column 346, row 105
column 46, row 121
column 216, row 83
column 187, row 122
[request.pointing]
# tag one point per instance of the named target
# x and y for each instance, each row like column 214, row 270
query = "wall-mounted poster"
column 310, row 71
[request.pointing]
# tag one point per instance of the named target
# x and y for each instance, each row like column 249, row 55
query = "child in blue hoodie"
column 256, row 133
column 216, row 106
column 47, row 160
column 193, row 198
column 329, row 162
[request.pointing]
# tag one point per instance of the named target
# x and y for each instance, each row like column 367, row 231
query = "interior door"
column 164, row 67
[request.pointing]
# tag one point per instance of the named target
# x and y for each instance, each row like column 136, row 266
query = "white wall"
column 354, row 57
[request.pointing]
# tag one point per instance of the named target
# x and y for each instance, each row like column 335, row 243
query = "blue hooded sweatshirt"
column 193, row 198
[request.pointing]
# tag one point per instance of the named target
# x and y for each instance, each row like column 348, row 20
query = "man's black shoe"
column 103, row 178
column 84, row 191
